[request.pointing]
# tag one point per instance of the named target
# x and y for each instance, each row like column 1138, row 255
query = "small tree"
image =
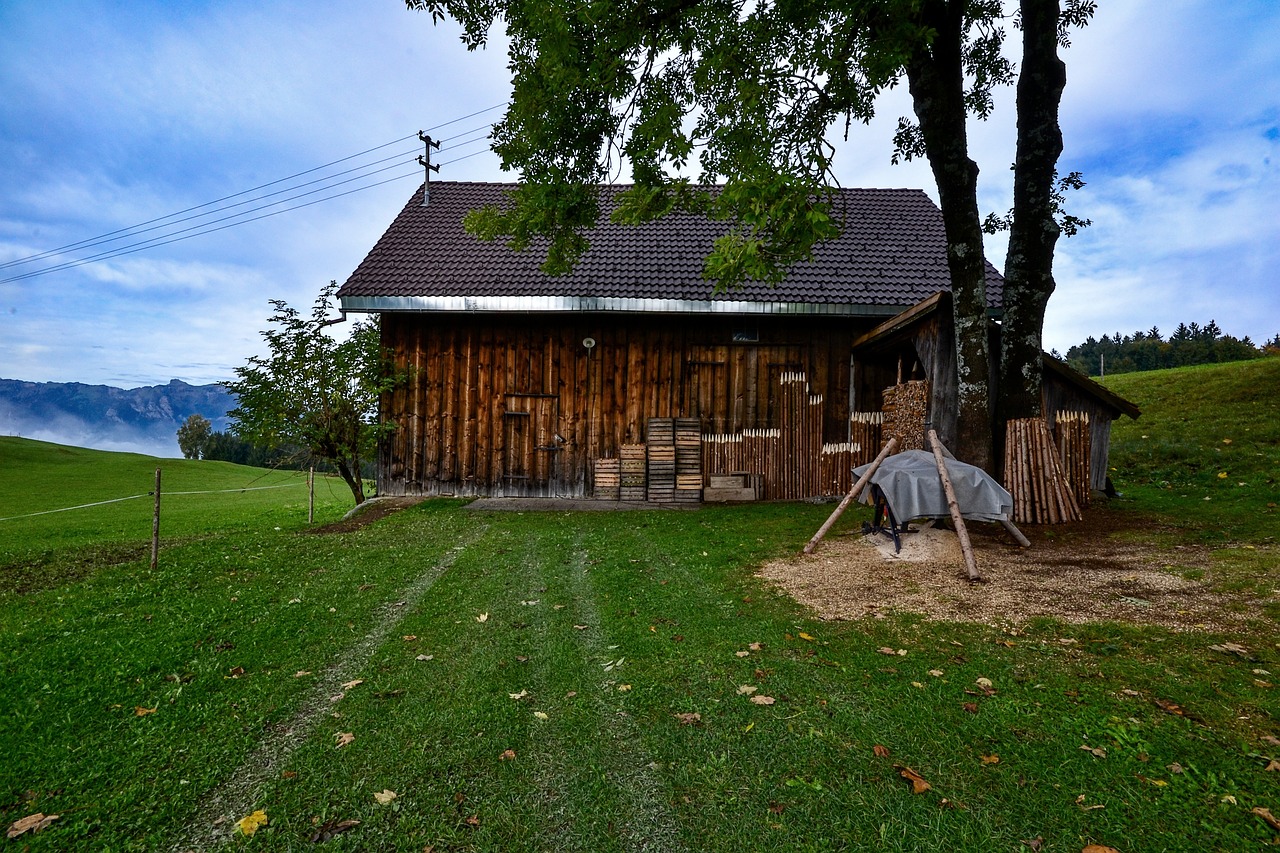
column 193, row 436
column 315, row 392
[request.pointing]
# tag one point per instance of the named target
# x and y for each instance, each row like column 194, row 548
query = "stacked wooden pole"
column 865, row 429
column 835, row 468
column 906, row 408
column 1033, row 474
column 1074, row 437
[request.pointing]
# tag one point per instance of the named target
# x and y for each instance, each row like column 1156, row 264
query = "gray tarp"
column 911, row 484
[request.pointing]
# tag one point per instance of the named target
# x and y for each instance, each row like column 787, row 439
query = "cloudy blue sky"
column 115, row 114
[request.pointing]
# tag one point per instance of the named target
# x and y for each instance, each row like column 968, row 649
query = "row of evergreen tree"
column 1149, row 350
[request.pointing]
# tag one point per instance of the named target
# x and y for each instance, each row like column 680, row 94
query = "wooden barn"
column 523, row 384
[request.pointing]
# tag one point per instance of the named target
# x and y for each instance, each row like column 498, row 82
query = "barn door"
column 531, row 448
column 704, row 393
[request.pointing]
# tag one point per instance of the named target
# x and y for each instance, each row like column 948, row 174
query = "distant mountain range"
column 138, row 420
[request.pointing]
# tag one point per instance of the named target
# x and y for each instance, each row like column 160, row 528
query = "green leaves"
column 315, row 391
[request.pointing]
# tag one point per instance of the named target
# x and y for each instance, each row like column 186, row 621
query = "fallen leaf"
column 140, row 711
column 747, row 689
column 1099, row 848
column 1273, row 765
column 301, row 673
column 741, row 654
column 331, row 828
column 349, row 684
column 1036, row 844
column 755, row 647
column 777, row 808
column 384, row 796
column 936, row 673
column 343, row 738
column 880, row 751
column 1128, row 692
column 472, row 821
column 762, row 700
column 409, row 638
column 971, row 707
column 507, row 755
column 885, row 650
column 581, row 627
column 1083, row 807
column 30, row 823
column 808, row 637
column 985, row 683
column 918, row 685
column 337, row 697
column 1175, row 768
column 236, row 671
column 425, row 657
column 1232, row 649
column 249, row 825
column 623, row 688
column 918, row 784
column 1266, row 815
column 541, row 715
column 520, row 695
column 1227, row 798
column 1271, row 739
column 990, row 759
column 1170, row 707
column 689, row 718
column 1097, row 751
column 483, row 617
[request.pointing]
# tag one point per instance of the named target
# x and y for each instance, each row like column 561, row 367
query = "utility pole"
column 428, row 167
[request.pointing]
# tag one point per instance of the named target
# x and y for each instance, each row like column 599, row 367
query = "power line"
column 133, row 230
column 161, row 242
column 204, row 228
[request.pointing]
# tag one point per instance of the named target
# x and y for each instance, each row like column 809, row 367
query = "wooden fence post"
column 311, row 495
column 155, row 526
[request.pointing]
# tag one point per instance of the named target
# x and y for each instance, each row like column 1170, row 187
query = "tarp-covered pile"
column 912, row 487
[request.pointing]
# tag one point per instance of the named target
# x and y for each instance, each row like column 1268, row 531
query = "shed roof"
column 890, row 255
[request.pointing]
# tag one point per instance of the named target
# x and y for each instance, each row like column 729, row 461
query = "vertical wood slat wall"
column 516, row 405
column 791, row 460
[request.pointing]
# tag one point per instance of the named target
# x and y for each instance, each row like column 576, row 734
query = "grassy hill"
column 65, row 506
column 1206, row 451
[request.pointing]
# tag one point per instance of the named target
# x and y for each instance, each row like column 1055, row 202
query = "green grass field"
column 529, row 681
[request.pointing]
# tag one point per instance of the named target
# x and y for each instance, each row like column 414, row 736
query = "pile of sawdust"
column 1072, row 576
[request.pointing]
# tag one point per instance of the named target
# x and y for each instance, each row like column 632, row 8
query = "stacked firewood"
column 1075, row 448
column 1034, row 475
column 906, row 407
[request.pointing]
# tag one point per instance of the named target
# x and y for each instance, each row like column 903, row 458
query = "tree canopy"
column 315, row 392
column 193, row 436
column 750, row 95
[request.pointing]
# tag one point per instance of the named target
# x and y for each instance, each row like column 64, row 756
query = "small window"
column 746, row 336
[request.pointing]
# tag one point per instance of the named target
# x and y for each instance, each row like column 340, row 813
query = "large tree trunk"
column 936, row 80
column 1033, row 234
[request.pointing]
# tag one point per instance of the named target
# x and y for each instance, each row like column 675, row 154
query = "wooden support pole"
column 155, row 526
column 853, row 494
column 962, row 532
column 1015, row 533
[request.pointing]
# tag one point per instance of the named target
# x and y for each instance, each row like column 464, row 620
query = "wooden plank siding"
column 515, row 405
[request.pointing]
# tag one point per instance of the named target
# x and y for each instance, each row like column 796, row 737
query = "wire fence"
column 150, row 494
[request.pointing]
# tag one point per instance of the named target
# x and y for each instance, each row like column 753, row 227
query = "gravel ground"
column 1076, row 573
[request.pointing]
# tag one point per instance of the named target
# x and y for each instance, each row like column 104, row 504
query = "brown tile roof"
column 891, row 253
